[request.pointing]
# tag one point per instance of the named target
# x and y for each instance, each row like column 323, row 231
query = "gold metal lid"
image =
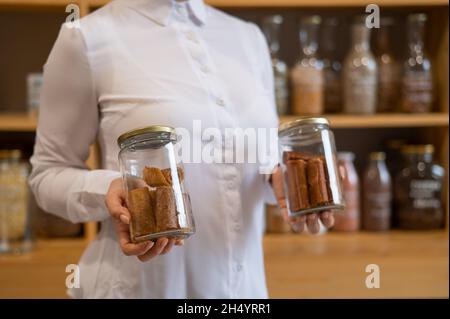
column 144, row 130
column 418, row 149
column 377, row 156
column 395, row 144
column 10, row 154
column 313, row 19
column 302, row 121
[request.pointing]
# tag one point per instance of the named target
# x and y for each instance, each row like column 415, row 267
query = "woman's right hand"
column 115, row 202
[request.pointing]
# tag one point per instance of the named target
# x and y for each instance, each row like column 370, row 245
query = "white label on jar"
column 360, row 92
column 418, row 87
column 378, row 205
column 423, row 193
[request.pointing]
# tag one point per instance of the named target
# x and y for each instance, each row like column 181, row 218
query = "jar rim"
column 418, row 149
column 284, row 127
column 144, row 130
column 10, row 154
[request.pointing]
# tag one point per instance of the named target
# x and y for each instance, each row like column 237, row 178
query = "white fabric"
column 135, row 63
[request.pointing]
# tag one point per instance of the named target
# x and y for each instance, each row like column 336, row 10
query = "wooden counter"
column 328, row 266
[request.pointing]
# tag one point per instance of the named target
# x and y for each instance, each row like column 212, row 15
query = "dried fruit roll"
column 165, row 209
column 141, row 210
column 167, row 173
column 317, row 182
column 297, row 185
column 154, row 177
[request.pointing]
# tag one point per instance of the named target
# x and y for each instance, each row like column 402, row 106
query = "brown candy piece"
column 167, row 173
column 317, row 182
column 154, row 177
column 141, row 210
column 297, row 185
column 165, row 209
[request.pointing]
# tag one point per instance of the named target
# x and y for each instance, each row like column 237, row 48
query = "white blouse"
column 136, row 63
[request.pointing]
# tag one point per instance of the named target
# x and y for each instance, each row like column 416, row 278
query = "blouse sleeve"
column 68, row 125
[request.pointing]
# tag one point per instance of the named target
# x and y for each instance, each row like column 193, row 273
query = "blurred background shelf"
column 297, row 266
column 22, row 122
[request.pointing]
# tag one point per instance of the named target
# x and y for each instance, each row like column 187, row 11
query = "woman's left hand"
column 311, row 221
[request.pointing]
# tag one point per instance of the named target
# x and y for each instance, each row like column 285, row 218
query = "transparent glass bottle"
column 332, row 67
column 15, row 234
column 271, row 27
column 417, row 82
column 419, row 192
column 360, row 73
column 307, row 74
column 377, row 194
column 388, row 69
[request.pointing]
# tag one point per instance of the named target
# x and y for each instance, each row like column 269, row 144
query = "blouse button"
column 220, row 102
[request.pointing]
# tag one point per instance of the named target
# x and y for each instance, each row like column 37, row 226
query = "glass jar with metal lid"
column 153, row 178
column 309, row 164
column 15, row 233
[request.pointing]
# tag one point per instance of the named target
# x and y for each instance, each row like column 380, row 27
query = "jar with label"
column 417, row 83
column 153, row 178
column 419, row 192
column 388, row 69
column 349, row 220
column 331, row 66
column 360, row 74
column 307, row 74
column 15, row 235
column 271, row 27
column 377, row 194
column 309, row 165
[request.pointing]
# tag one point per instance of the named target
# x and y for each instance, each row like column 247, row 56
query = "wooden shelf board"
column 37, row 3
column 383, row 120
column 17, row 122
column 297, row 266
column 26, row 123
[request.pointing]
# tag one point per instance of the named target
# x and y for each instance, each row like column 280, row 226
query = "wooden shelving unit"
column 16, row 121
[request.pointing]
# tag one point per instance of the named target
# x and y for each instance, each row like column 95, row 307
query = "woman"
column 136, row 63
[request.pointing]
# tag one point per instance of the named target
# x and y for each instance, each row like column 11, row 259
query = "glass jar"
column 271, row 28
column 360, row 73
column 350, row 218
column 15, row 234
column 417, row 83
column 307, row 74
column 153, row 178
column 377, row 194
column 331, row 66
column 388, row 69
column 419, row 192
column 309, row 165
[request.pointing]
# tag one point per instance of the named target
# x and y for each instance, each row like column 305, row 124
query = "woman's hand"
column 298, row 223
column 115, row 202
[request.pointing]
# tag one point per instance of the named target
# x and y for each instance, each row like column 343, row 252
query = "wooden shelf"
column 383, row 120
column 37, row 3
column 17, row 122
column 297, row 266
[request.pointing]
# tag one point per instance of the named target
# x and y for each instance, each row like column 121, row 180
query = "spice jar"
column 153, row 178
column 349, row 219
column 419, row 193
column 309, row 166
column 360, row 73
column 15, row 234
column 417, row 82
column 271, row 28
column 307, row 74
column 377, row 194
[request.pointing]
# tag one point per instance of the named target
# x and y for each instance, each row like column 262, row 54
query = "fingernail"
column 124, row 219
